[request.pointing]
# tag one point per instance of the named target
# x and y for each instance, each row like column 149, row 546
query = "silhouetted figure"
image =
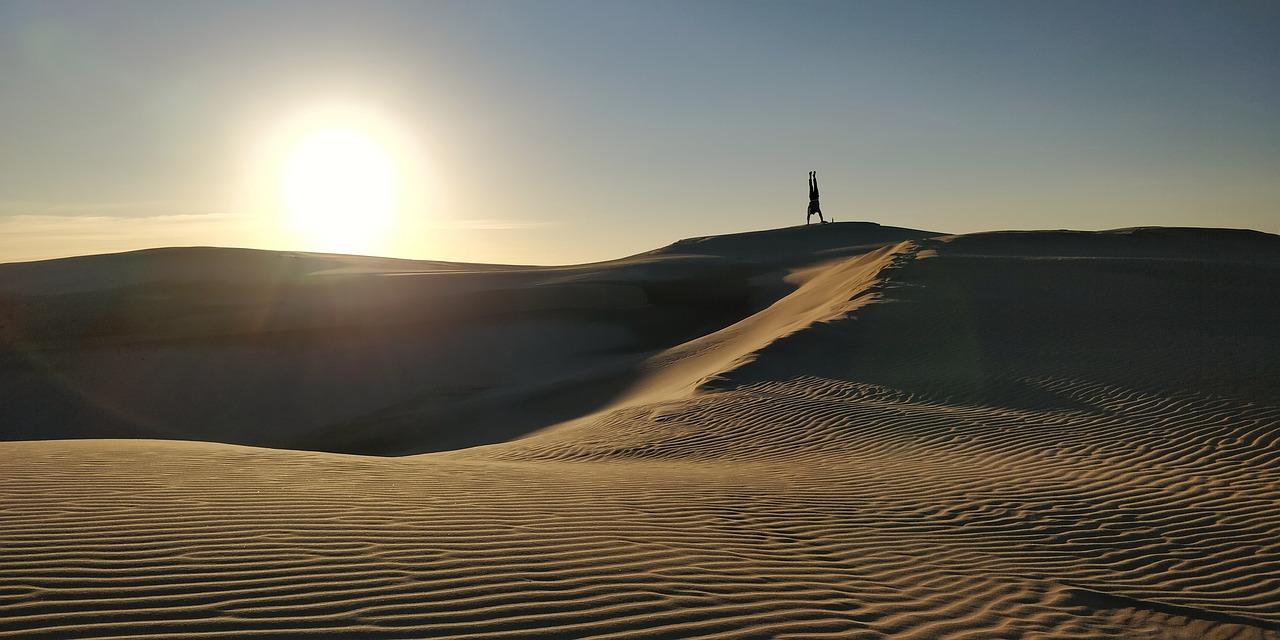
column 813, row 199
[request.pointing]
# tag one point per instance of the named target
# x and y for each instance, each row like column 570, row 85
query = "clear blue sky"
column 561, row 132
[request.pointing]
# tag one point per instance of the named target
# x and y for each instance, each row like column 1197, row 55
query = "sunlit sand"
column 834, row 431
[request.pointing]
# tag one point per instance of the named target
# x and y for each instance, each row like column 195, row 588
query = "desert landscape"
column 829, row 431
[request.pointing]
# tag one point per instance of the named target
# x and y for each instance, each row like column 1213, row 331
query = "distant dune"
column 828, row 431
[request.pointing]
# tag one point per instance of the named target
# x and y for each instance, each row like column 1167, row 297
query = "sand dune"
column 843, row 431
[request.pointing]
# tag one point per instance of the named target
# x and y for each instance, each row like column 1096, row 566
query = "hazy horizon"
column 569, row 132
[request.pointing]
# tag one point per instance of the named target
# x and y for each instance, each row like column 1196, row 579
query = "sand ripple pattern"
column 812, row 508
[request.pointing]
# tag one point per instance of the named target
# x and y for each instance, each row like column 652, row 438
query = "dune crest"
column 843, row 431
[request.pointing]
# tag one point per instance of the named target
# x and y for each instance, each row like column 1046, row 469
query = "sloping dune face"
column 364, row 355
column 1011, row 435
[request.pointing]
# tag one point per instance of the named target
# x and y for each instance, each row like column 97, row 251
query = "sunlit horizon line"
column 273, row 247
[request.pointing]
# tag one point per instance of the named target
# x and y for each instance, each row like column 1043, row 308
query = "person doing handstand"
column 813, row 199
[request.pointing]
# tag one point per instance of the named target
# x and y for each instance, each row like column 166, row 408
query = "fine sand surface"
column 836, row 431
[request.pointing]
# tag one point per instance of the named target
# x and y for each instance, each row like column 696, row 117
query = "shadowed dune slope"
column 362, row 355
column 1006, row 435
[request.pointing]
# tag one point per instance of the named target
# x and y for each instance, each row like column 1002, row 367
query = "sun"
column 340, row 190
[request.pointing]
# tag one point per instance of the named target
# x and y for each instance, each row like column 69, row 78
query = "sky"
column 563, row 132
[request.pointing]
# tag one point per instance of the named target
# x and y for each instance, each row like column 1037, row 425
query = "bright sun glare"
column 340, row 190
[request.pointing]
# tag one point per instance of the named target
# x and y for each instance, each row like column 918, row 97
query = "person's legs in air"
column 814, row 207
